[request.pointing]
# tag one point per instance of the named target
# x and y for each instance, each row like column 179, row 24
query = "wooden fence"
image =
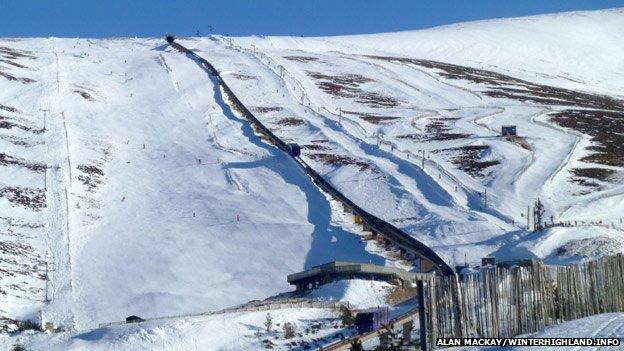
column 505, row 302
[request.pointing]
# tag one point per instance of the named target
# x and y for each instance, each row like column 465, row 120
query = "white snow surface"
column 238, row 331
column 160, row 200
column 365, row 114
column 360, row 294
column 147, row 194
column 606, row 325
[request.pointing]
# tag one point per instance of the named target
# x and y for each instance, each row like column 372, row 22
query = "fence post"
column 422, row 319
column 458, row 311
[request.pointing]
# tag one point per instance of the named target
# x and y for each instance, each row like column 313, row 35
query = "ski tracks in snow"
column 434, row 199
column 174, row 81
column 58, row 310
column 613, row 327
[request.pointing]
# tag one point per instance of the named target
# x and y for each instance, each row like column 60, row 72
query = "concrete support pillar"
column 357, row 219
column 407, row 330
column 387, row 244
column 366, row 227
column 346, row 208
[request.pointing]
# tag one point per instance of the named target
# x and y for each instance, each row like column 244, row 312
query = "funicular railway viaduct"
column 377, row 228
column 337, row 270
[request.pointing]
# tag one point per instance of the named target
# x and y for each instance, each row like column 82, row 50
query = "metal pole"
column 45, row 112
column 485, row 197
column 528, row 219
column 47, row 300
column 421, row 314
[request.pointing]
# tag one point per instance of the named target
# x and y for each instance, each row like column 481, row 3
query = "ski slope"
column 366, row 108
column 246, row 332
column 160, row 200
column 240, row 331
column 128, row 180
column 606, row 325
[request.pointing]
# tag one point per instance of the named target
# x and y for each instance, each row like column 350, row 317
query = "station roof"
column 343, row 267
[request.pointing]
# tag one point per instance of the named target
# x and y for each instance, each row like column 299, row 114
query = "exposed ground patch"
column 21, row 266
column 338, row 160
column 314, row 147
column 8, row 160
column 31, row 198
column 599, row 116
column 504, row 86
column 84, row 94
column 588, row 178
column 348, row 86
column 10, row 123
column 91, row 176
column 372, row 117
column 522, row 141
column 606, row 129
column 18, row 79
column 12, row 54
column 9, row 108
column 243, row 76
column 290, row 121
column 468, row 159
column 438, row 128
column 14, row 64
column 303, row 59
column 19, row 141
column 398, row 294
column 266, row 109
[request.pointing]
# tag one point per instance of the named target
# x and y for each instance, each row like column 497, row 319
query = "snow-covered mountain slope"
column 574, row 49
column 606, row 325
column 128, row 180
column 366, row 108
column 314, row 327
column 236, row 331
column 145, row 194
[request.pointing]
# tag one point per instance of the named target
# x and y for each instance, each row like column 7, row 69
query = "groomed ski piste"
column 127, row 178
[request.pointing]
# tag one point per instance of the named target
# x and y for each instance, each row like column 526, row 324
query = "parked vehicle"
column 371, row 319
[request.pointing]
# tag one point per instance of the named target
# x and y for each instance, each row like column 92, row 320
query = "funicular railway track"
column 377, row 226
column 371, row 222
